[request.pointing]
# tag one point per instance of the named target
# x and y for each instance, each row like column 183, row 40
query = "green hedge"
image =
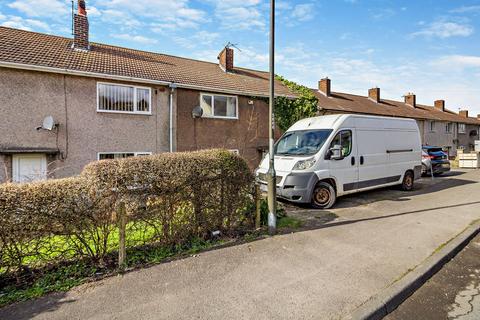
column 169, row 199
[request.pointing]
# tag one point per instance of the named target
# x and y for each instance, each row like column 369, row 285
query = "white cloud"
column 303, row 12
column 56, row 9
column 164, row 13
column 239, row 14
column 382, row 14
column 134, row 38
column 457, row 61
column 24, row 24
column 445, row 29
column 199, row 39
column 93, row 12
column 466, row 9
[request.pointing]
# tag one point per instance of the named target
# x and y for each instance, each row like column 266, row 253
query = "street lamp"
column 271, row 176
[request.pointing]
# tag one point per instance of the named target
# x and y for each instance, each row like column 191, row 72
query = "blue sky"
column 429, row 47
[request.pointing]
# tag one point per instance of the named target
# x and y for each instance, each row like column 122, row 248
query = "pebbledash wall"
column 248, row 134
column 27, row 97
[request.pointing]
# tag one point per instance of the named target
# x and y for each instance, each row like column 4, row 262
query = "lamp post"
column 271, row 176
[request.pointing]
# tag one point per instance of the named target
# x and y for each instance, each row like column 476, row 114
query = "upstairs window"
column 448, row 127
column 219, row 106
column 123, row 99
column 461, row 128
column 432, row 126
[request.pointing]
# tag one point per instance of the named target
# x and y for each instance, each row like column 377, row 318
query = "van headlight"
column 304, row 164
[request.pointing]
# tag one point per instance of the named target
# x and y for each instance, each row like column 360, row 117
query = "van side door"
column 373, row 158
column 345, row 169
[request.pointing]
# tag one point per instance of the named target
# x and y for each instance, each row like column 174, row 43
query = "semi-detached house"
column 438, row 125
column 111, row 102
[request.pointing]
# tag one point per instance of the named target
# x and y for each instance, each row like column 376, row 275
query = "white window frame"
column 213, row 116
column 135, row 154
column 431, row 124
column 449, row 127
column 135, row 111
column 464, row 126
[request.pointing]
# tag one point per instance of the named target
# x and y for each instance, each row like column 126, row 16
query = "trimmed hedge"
column 170, row 199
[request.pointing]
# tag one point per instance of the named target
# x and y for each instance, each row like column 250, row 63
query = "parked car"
column 319, row 159
column 434, row 158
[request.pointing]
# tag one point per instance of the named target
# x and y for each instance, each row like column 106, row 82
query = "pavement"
column 343, row 257
column 452, row 293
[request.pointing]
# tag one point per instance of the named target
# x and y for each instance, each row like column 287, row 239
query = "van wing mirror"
column 336, row 152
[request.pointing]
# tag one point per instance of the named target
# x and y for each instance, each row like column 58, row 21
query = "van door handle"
column 362, row 160
column 353, row 161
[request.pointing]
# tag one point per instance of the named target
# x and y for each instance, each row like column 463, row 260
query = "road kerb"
column 390, row 298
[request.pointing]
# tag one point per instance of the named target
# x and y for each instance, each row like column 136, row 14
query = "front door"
column 29, row 167
column 345, row 169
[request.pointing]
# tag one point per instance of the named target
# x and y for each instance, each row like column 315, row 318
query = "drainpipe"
column 172, row 86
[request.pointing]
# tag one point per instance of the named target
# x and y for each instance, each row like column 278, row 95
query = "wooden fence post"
column 122, row 225
column 258, row 202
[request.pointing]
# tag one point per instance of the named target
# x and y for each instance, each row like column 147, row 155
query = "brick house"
column 438, row 125
column 112, row 102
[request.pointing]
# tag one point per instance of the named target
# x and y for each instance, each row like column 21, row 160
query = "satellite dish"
column 197, row 112
column 48, row 123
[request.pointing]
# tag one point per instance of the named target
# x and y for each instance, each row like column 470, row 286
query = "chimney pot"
column 374, row 94
column 411, row 100
column 463, row 113
column 82, row 8
column 325, row 87
column 225, row 59
column 81, row 28
column 440, row 105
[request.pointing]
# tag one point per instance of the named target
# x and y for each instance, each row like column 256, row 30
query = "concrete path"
column 323, row 273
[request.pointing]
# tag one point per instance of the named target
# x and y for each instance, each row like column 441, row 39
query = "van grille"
column 262, row 177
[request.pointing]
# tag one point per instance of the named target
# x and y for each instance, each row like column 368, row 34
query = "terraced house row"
column 104, row 102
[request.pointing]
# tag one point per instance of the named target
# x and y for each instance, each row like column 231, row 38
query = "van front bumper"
column 296, row 187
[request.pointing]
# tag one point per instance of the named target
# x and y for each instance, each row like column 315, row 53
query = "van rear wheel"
column 324, row 196
column 408, row 181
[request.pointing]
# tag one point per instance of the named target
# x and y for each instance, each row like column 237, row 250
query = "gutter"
column 13, row 65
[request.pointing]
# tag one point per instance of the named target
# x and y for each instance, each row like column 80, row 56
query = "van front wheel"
column 324, row 196
column 408, row 181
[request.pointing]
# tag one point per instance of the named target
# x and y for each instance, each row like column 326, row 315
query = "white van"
column 318, row 159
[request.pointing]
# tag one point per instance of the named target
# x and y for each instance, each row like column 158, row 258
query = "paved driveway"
column 367, row 243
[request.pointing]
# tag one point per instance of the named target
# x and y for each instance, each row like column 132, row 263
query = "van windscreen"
column 302, row 142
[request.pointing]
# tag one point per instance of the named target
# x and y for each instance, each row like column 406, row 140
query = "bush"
column 170, row 199
column 49, row 221
column 178, row 196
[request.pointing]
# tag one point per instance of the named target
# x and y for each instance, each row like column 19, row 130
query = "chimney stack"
column 411, row 100
column 80, row 27
column 325, row 87
column 440, row 105
column 374, row 94
column 463, row 113
column 225, row 59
